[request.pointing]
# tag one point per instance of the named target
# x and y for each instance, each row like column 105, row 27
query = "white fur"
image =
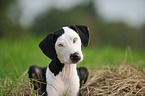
column 68, row 78
column 66, row 39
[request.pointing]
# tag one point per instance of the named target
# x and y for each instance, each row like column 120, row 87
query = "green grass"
column 110, row 56
column 16, row 56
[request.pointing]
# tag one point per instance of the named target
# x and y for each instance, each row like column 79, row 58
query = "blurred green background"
column 116, row 28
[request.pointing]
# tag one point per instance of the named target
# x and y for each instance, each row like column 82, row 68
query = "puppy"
column 62, row 77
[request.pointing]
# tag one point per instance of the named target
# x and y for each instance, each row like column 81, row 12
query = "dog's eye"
column 60, row 45
column 74, row 40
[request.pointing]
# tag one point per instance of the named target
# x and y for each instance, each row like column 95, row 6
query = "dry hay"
column 121, row 81
column 114, row 81
column 17, row 87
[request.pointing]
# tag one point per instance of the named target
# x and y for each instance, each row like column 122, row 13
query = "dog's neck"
column 56, row 67
column 68, row 71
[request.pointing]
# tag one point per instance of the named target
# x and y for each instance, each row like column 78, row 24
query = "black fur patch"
column 83, row 32
column 48, row 44
column 38, row 74
column 55, row 67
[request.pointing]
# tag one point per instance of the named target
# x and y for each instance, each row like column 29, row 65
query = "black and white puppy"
column 62, row 76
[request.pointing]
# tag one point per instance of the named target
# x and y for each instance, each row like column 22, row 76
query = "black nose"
column 75, row 57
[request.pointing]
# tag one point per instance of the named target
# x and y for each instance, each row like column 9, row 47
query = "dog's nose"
column 75, row 57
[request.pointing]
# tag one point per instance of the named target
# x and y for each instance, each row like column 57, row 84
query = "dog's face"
column 68, row 47
column 65, row 44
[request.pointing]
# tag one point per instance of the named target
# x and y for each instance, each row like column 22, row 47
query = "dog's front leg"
column 52, row 91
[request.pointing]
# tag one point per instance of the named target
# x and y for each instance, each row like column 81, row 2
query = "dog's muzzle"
column 75, row 57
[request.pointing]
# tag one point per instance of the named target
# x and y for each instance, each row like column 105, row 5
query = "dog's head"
column 65, row 44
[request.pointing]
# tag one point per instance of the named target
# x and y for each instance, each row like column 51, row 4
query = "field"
column 17, row 55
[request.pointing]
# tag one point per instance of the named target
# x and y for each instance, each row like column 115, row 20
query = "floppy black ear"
column 83, row 32
column 48, row 44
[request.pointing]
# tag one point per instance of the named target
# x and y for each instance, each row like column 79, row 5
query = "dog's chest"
column 66, row 82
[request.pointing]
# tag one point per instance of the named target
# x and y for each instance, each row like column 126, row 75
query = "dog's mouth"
column 74, row 62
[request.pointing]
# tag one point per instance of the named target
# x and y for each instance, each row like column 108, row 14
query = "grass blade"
column 15, row 67
column 67, row 90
